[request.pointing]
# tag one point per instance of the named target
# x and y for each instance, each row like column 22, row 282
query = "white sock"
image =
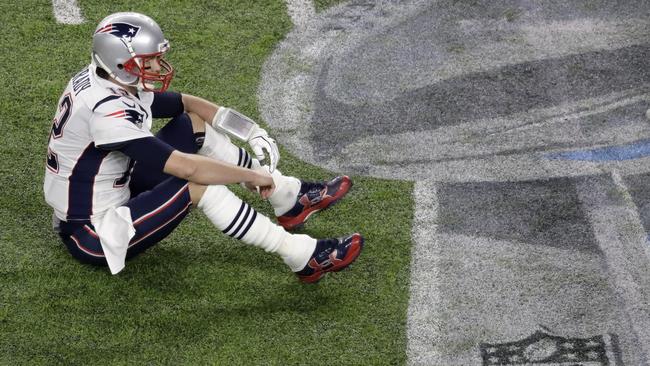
column 239, row 220
column 286, row 191
column 297, row 251
column 218, row 146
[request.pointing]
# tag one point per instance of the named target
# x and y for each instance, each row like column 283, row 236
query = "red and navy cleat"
column 314, row 197
column 331, row 255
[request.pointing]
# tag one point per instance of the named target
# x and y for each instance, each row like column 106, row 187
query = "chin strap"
column 95, row 58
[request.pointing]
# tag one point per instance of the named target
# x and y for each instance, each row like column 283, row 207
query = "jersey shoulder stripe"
column 107, row 99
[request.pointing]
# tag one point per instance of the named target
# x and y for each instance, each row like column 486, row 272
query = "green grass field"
column 198, row 297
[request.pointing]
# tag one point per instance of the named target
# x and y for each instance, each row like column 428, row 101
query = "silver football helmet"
column 130, row 47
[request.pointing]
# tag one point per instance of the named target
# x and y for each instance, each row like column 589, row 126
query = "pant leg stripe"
column 161, row 226
column 86, row 250
column 240, row 154
column 234, row 221
column 250, row 163
column 250, row 223
column 162, row 207
column 91, row 232
column 248, row 211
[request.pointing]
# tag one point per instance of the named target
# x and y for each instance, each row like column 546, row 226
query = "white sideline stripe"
column 621, row 237
column 634, row 213
column 67, row 12
column 424, row 297
column 301, row 12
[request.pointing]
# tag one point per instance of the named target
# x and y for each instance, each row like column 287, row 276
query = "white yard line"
column 67, row 12
column 422, row 309
column 620, row 235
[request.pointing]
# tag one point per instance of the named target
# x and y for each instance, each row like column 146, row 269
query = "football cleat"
column 331, row 255
column 314, row 197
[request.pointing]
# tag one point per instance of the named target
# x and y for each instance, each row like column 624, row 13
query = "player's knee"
column 198, row 124
column 196, row 192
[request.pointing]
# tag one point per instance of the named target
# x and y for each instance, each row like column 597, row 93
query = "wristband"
column 234, row 123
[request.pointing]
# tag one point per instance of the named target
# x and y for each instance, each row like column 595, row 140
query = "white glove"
column 259, row 142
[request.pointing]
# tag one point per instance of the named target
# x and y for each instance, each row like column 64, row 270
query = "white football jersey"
column 81, row 180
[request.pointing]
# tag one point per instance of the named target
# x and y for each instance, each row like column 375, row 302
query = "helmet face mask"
column 154, row 73
column 130, row 47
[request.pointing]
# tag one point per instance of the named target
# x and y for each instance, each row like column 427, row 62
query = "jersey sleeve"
column 167, row 104
column 118, row 120
column 149, row 151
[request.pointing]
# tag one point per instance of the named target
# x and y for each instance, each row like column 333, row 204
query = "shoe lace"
column 329, row 246
column 312, row 187
column 312, row 191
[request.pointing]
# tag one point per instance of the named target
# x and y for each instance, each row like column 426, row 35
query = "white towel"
column 115, row 230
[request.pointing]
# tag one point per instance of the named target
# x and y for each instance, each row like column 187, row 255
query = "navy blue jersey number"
column 124, row 179
column 65, row 110
column 52, row 161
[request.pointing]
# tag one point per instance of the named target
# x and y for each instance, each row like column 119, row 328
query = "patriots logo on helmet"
column 120, row 30
column 130, row 115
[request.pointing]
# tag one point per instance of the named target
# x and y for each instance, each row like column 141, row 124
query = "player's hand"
column 261, row 142
column 262, row 181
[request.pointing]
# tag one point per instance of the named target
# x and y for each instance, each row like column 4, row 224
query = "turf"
column 198, row 297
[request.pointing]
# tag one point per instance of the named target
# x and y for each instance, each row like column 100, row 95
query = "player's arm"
column 115, row 128
column 156, row 155
column 203, row 108
column 236, row 125
column 170, row 104
column 206, row 171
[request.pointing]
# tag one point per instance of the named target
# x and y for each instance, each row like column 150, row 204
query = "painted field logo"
column 541, row 348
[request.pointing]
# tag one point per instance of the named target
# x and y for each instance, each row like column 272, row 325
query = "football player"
column 116, row 189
